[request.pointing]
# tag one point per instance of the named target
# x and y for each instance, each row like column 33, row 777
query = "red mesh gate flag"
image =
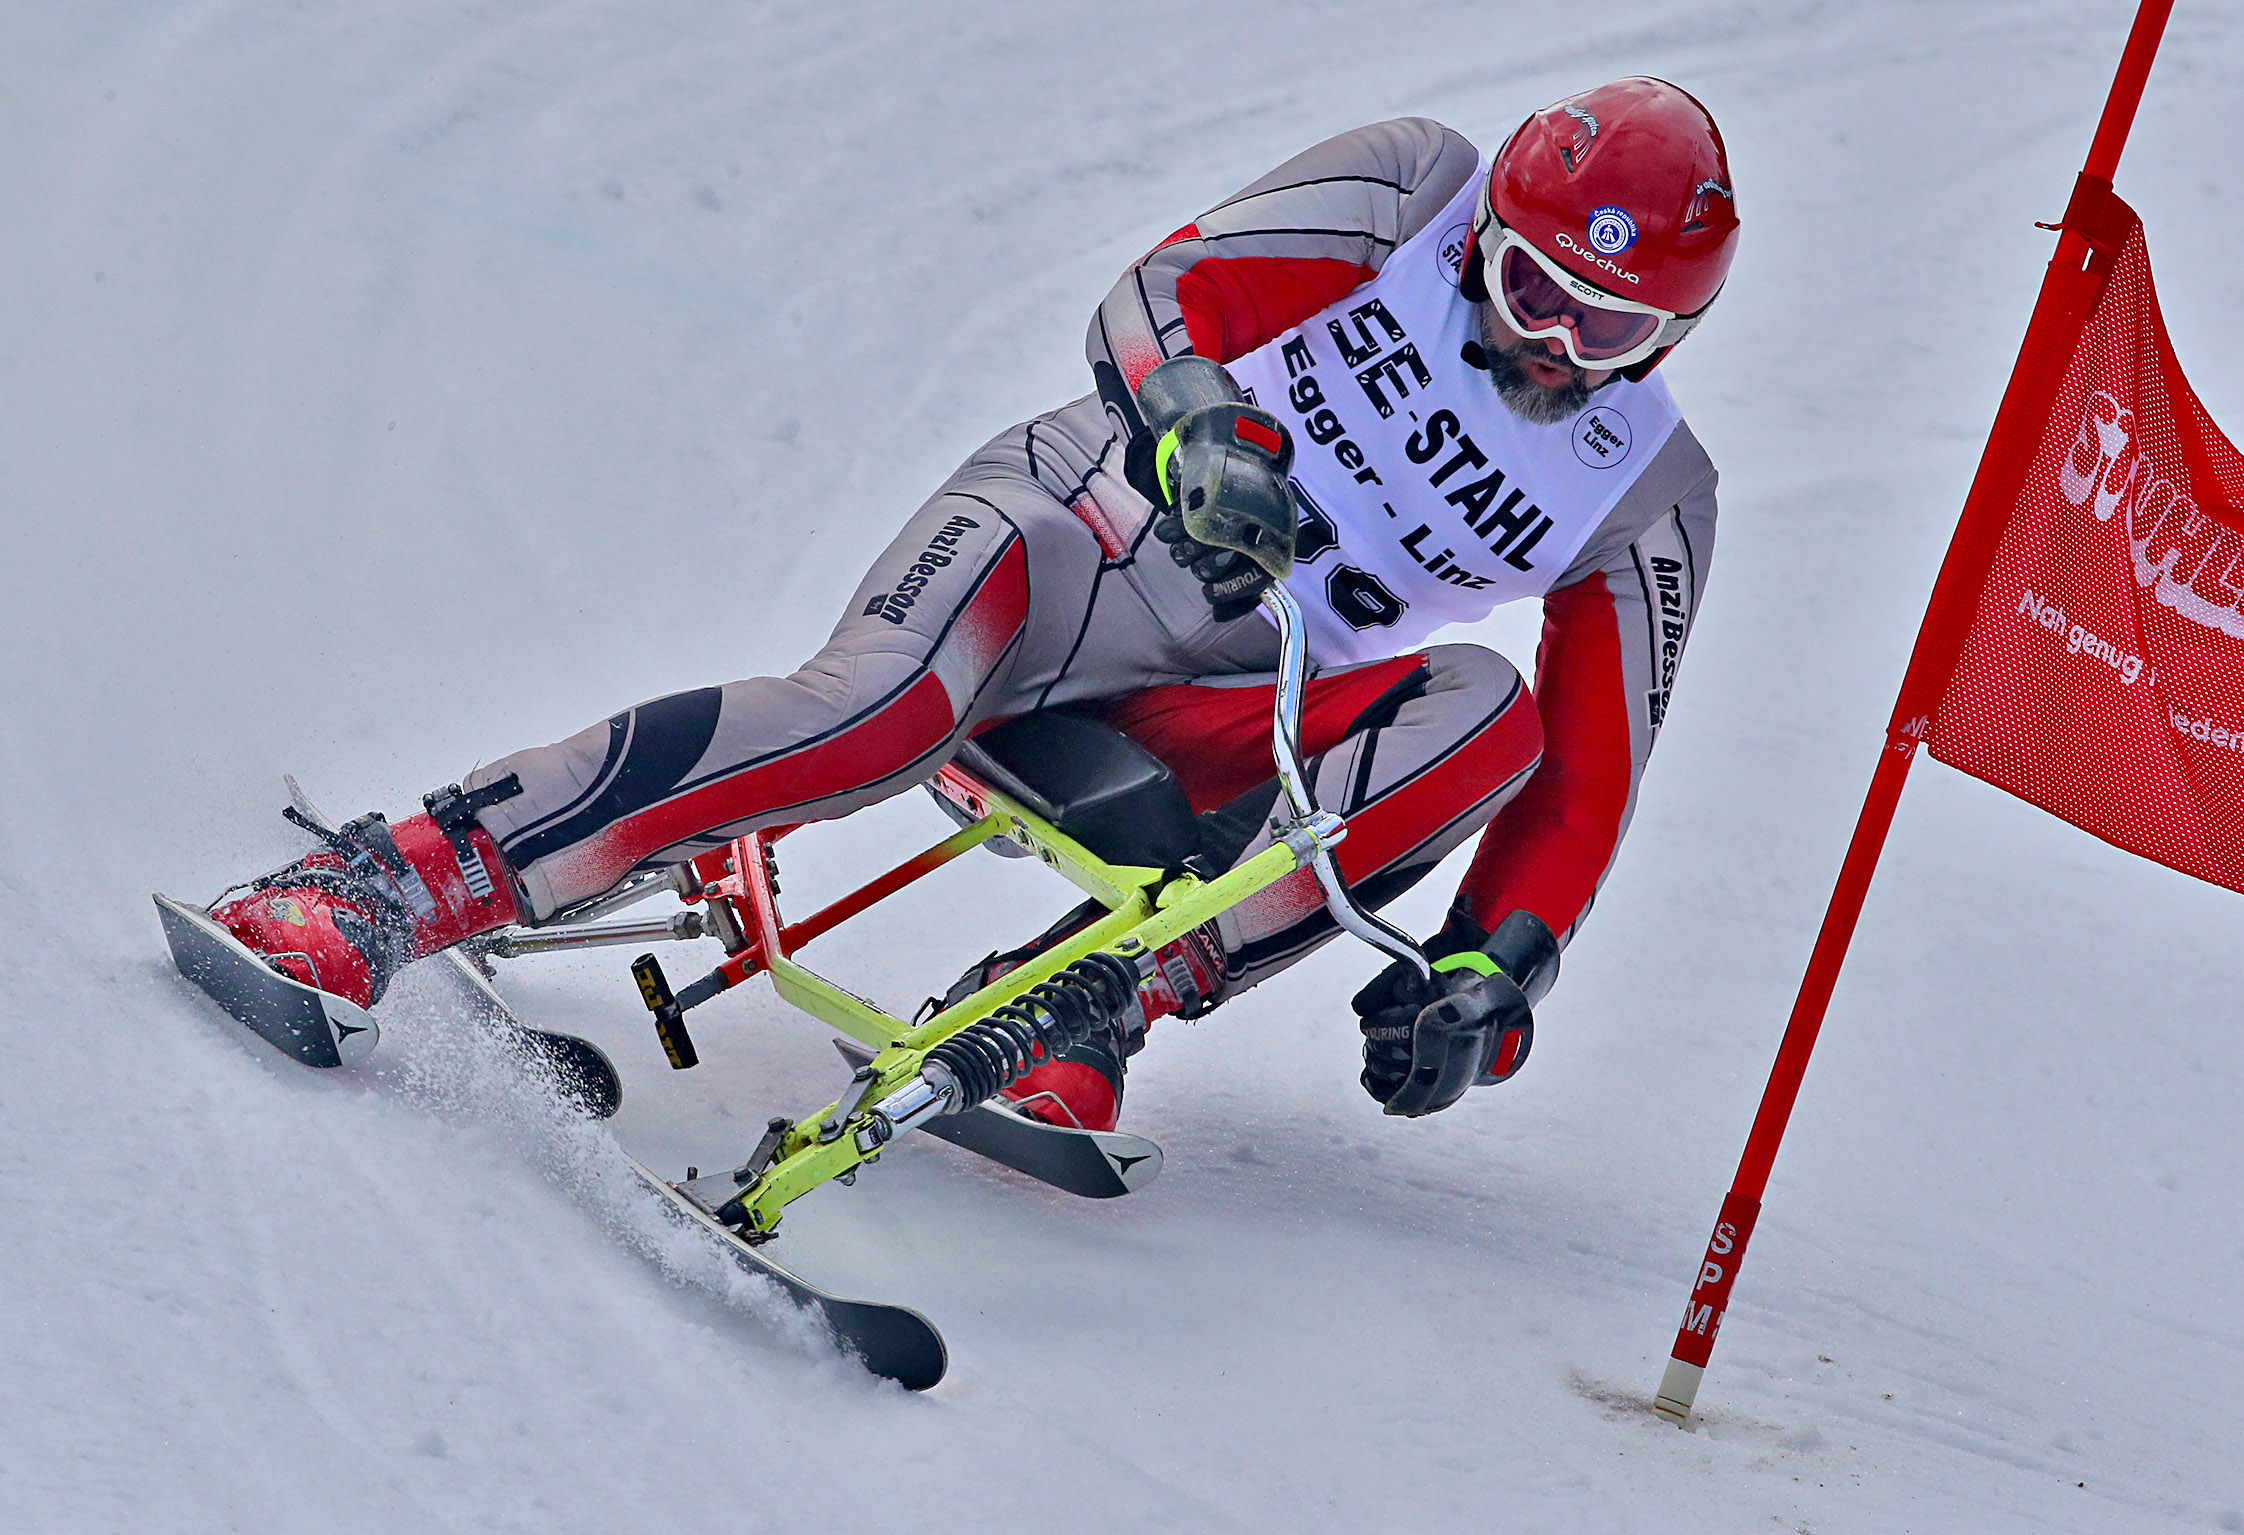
column 2103, row 674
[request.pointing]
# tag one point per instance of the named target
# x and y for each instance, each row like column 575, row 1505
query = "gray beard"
column 1525, row 398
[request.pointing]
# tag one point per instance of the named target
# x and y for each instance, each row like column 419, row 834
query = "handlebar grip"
column 1181, row 386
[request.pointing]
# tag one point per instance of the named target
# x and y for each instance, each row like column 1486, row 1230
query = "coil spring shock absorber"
column 1042, row 1024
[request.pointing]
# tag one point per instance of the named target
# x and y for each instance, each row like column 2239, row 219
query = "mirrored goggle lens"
column 1599, row 333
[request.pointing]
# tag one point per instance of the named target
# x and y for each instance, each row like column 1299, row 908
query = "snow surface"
column 389, row 385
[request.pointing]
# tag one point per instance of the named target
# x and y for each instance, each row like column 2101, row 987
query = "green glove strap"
column 1469, row 959
column 1165, row 451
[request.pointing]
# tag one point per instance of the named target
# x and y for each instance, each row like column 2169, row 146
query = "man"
column 1446, row 364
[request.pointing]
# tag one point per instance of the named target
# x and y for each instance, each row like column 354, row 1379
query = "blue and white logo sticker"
column 1611, row 230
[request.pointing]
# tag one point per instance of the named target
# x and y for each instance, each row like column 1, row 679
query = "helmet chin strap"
column 1470, row 281
column 1637, row 372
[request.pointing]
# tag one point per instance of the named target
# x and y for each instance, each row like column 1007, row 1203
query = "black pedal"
column 669, row 1018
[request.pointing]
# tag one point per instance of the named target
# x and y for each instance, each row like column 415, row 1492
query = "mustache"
column 1477, row 357
column 1545, row 405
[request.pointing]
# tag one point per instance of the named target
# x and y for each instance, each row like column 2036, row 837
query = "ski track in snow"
column 389, row 386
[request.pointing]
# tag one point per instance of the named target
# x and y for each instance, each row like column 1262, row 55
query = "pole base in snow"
column 1679, row 1388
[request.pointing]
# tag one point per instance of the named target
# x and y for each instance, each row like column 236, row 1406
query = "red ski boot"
column 348, row 917
column 1083, row 1088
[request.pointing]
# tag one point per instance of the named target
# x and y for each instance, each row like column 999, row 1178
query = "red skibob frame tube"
column 2093, row 228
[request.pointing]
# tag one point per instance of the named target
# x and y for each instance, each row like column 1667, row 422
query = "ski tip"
column 930, row 1361
column 303, row 805
column 1135, row 1160
column 298, row 1020
column 893, row 1342
column 580, row 1068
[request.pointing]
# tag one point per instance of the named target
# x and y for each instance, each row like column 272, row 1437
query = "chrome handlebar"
column 1285, row 746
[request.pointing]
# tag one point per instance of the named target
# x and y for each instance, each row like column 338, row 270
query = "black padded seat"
column 1091, row 781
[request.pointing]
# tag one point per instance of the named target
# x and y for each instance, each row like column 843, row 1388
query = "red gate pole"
column 2095, row 225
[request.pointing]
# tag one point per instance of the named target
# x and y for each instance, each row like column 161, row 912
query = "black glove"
column 1231, row 582
column 1424, row 1044
column 1387, row 1011
column 1217, row 467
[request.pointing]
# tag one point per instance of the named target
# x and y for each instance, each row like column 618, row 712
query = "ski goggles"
column 1539, row 298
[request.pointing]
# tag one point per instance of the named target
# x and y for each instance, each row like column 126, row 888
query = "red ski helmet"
column 1626, row 188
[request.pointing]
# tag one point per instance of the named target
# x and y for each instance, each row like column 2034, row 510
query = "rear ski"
column 1093, row 1164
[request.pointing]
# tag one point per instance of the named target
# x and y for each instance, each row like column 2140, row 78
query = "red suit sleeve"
column 1547, row 851
column 1277, row 251
column 1613, row 633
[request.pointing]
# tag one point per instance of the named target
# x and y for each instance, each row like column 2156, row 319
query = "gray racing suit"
column 1029, row 581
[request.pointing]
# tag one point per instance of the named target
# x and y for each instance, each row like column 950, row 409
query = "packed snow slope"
column 387, row 386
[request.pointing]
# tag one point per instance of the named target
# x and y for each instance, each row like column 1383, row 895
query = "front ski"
column 318, row 1029
column 1094, row 1164
column 295, row 1019
column 894, row 1342
column 580, row 1068
column 322, row 1030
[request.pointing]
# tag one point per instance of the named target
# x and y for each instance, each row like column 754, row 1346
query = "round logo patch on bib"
column 1450, row 253
column 1601, row 437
